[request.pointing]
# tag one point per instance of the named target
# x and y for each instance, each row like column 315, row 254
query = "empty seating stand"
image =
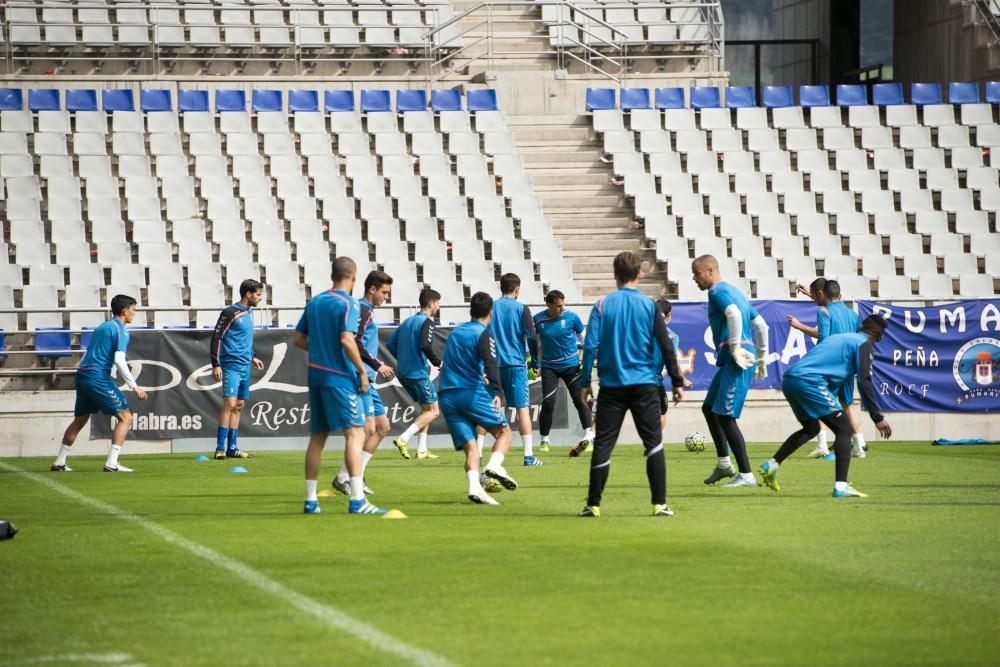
column 176, row 198
column 894, row 192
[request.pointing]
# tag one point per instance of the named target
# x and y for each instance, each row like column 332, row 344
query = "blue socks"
column 220, row 437
column 233, row 434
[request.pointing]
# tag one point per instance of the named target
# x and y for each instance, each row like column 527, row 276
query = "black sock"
column 808, row 431
column 656, row 473
column 715, row 428
column 841, row 428
column 736, row 443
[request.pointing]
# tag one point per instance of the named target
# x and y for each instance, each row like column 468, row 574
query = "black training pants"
column 550, row 385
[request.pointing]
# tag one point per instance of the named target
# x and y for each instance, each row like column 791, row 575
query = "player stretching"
column 412, row 345
column 731, row 318
column 232, row 354
column 95, row 391
column 377, row 287
column 624, row 330
column 337, row 379
column 811, row 387
column 833, row 317
column 469, row 355
column 559, row 339
column 512, row 328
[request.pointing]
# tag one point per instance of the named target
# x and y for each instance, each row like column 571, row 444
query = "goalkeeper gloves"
column 743, row 358
column 760, row 373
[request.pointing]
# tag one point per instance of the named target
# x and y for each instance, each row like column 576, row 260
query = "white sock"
column 410, row 430
column 588, row 434
column 545, row 439
column 480, row 443
column 422, row 442
column 821, row 440
column 748, row 476
column 343, row 475
column 724, row 462
column 526, row 441
column 840, row 486
column 63, row 453
column 858, row 440
column 365, row 458
column 112, row 461
column 310, row 490
column 772, row 464
column 474, row 486
column 496, row 460
column 357, row 488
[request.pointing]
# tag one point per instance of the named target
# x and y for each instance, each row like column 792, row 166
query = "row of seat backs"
column 371, row 101
column 709, row 97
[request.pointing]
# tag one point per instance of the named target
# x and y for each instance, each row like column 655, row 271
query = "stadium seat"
column 482, row 100
column 52, row 344
column 411, row 101
column 446, row 100
column 152, row 101
column 305, row 101
column 669, row 98
column 993, row 92
column 266, row 101
column 192, row 100
column 81, row 100
column 375, row 101
column 11, row 99
column 775, row 97
column 634, row 98
column 705, row 98
column 739, row 97
column 814, row 96
column 600, row 99
column 849, row 95
column 925, row 93
column 117, row 100
column 887, row 94
column 230, row 101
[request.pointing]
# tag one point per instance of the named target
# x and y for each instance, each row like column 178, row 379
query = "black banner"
column 184, row 401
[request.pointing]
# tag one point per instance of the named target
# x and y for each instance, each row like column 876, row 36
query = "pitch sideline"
column 323, row 612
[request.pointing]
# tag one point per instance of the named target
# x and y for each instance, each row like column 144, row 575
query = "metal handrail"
column 989, row 10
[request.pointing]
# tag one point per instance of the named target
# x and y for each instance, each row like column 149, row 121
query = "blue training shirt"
column 469, row 354
column 833, row 360
column 623, row 330
column 411, row 343
column 721, row 296
column 836, row 318
column 326, row 316
column 658, row 355
column 109, row 337
column 512, row 328
column 232, row 340
column 559, row 338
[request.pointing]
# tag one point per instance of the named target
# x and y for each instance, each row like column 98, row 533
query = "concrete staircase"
column 589, row 216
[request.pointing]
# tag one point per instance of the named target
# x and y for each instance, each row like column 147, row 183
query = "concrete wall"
column 935, row 40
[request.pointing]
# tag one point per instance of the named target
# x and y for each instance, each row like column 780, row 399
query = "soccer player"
column 232, row 355
column 513, row 328
column 337, row 382
column 411, row 344
column 559, row 332
column 666, row 308
column 469, row 355
column 95, row 390
column 811, row 387
column 624, row 330
column 377, row 287
column 833, row 317
column 731, row 318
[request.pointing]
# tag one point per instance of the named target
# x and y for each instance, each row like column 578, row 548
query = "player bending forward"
column 412, row 345
column 95, row 391
column 811, row 387
column 466, row 403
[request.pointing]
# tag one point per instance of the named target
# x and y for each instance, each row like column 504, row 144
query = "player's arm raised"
column 794, row 323
column 868, row 398
column 662, row 337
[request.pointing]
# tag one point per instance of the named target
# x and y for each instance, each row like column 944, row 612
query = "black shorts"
column 664, row 403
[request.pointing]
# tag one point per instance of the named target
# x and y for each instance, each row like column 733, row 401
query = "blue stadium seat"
column 3, row 347
column 52, row 343
column 887, row 94
column 740, row 97
column 446, row 100
column 705, row 98
column 230, row 100
column 338, row 100
column 266, row 100
column 376, row 101
column 775, row 97
column 11, row 99
column 963, row 92
column 601, row 99
column 192, row 100
column 85, row 335
column 43, row 99
column 303, row 100
column 411, row 100
column 669, row 98
column 993, row 92
column 634, row 98
column 925, row 93
column 81, row 100
column 117, row 99
column 814, row 96
column 481, row 100
column 155, row 100
column 851, row 95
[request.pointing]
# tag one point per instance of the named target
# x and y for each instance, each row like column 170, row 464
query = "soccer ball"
column 695, row 442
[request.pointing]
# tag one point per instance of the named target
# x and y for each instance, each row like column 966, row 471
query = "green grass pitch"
column 909, row 576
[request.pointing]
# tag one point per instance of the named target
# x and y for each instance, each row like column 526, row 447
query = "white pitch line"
column 322, row 612
column 122, row 659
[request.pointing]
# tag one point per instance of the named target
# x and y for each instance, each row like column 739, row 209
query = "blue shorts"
column 809, row 398
column 515, row 386
column 371, row 401
column 98, row 395
column 846, row 393
column 236, row 382
column 728, row 390
column 334, row 409
column 422, row 391
column 464, row 409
